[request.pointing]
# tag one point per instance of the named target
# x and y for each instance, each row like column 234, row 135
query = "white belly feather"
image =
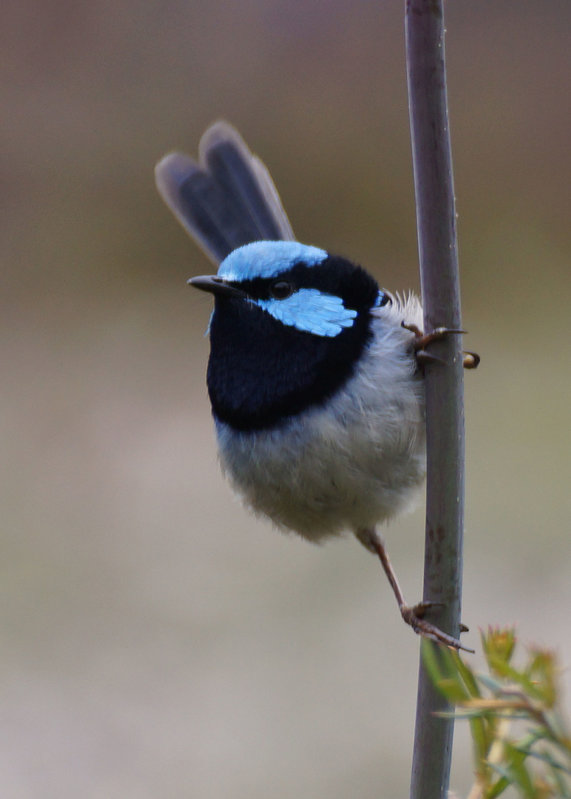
column 352, row 464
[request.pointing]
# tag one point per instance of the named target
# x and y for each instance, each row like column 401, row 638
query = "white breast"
column 348, row 465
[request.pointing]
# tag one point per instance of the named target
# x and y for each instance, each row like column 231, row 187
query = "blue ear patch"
column 267, row 259
column 312, row 311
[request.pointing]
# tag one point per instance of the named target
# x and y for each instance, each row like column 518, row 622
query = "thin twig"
column 436, row 223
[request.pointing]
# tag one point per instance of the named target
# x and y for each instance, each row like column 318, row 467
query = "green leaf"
column 499, row 644
column 442, row 670
column 467, row 675
column 498, row 788
column 535, row 764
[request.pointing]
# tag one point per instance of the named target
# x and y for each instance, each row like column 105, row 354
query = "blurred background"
column 156, row 640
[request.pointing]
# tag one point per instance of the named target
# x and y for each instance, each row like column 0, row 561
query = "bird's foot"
column 423, row 340
column 414, row 617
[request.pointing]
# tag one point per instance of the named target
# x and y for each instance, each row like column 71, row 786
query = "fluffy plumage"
column 350, row 463
column 316, row 389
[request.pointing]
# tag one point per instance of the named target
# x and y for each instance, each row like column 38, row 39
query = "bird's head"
column 289, row 325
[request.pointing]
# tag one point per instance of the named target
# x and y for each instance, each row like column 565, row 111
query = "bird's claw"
column 422, row 340
column 414, row 617
column 421, row 607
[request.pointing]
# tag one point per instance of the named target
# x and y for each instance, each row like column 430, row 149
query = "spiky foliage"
column 520, row 738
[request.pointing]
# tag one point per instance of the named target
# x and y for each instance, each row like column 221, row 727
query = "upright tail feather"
column 226, row 199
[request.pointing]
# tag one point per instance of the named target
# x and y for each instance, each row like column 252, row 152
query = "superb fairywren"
column 315, row 374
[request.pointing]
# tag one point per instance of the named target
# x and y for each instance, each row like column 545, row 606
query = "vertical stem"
column 436, row 223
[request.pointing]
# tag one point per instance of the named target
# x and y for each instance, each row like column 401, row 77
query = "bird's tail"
column 226, row 199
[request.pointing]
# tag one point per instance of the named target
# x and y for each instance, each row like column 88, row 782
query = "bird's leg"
column 422, row 340
column 412, row 615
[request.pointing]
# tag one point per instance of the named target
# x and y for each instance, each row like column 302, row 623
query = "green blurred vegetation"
column 520, row 733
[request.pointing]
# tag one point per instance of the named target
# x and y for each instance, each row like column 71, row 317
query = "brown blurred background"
column 156, row 640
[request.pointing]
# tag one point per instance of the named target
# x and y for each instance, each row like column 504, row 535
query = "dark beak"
column 216, row 285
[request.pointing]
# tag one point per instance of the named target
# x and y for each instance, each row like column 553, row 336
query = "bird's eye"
column 281, row 290
column 384, row 299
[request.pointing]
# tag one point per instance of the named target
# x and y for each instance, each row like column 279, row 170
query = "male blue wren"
column 315, row 374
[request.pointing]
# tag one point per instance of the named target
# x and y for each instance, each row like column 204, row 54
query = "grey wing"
column 226, row 199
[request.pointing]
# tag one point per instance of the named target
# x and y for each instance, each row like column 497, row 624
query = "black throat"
column 262, row 372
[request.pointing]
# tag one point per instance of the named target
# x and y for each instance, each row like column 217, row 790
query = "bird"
column 315, row 373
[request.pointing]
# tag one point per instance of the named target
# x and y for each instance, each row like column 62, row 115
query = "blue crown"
column 267, row 259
